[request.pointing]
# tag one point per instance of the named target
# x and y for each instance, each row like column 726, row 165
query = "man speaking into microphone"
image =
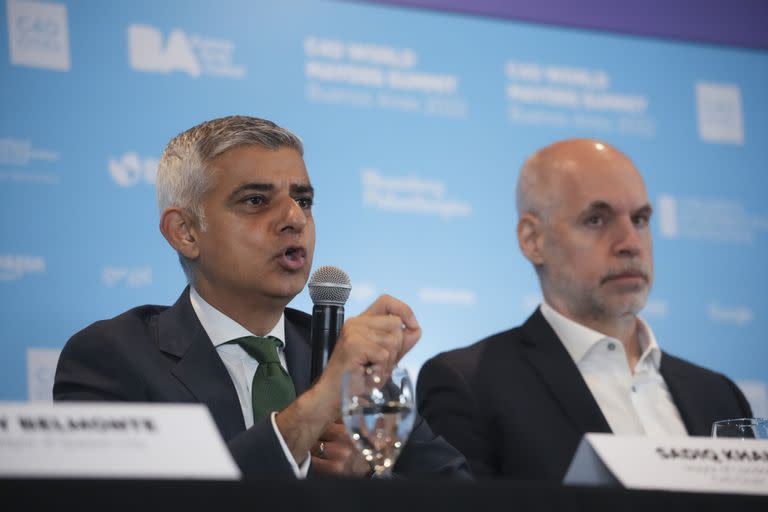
column 235, row 203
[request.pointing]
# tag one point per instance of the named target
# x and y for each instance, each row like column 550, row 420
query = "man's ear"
column 529, row 236
column 179, row 227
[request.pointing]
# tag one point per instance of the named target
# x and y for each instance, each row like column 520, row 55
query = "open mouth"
column 293, row 258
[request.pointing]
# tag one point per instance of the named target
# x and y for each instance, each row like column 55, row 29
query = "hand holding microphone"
column 379, row 336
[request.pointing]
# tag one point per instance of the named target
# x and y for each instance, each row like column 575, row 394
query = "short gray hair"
column 183, row 176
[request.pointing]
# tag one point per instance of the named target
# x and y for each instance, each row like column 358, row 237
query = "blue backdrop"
column 415, row 126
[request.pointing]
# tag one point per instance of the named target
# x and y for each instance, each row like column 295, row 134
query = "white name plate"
column 696, row 464
column 111, row 440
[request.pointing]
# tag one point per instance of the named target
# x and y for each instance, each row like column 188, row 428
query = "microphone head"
column 329, row 285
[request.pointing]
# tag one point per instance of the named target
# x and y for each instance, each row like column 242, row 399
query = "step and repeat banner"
column 415, row 126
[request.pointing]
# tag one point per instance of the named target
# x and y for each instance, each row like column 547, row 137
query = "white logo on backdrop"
column 132, row 277
column 364, row 74
column 457, row 296
column 756, row 393
column 579, row 97
column 736, row 315
column 131, row 169
column 720, row 113
column 41, row 368
column 362, row 292
column 530, row 301
column 16, row 266
column 656, row 308
column 195, row 55
column 715, row 220
column 409, row 195
column 38, row 35
column 20, row 153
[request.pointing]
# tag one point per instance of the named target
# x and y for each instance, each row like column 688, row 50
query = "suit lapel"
column 298, row 352
column 557, row 371
column 686, row 398
column 200, row 369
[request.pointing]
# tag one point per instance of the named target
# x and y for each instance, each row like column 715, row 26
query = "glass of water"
column 743, row 428
column 378, row 414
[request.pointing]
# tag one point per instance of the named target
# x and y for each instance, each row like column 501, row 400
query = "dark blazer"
column 163, row 354
column 516, row 405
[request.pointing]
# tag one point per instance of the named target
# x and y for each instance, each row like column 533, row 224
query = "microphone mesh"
column 329, row 285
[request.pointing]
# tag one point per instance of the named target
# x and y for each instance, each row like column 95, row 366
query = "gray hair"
column 183, row 176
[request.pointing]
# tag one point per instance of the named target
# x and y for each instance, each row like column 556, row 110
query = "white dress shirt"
column 240, row 365
column 636, row 403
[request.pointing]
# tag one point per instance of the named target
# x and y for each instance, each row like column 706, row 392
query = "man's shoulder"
column 128, row 326
column 498, row 347
column 684, row 368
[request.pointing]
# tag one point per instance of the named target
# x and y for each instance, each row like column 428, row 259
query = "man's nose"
column 628, row 238
column 292, row 216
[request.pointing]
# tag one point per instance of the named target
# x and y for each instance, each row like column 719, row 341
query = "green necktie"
column 272, row 388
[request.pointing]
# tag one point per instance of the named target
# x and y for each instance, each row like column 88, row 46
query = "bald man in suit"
column 518, row 403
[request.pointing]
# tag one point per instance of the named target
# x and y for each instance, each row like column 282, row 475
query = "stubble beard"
column 599, row 304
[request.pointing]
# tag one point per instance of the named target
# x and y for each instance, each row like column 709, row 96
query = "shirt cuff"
column 299, row 470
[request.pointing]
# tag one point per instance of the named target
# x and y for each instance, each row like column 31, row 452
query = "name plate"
column 111, row 440
column 696, row 464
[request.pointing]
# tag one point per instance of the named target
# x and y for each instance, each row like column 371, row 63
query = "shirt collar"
column 578, row 339
column 221, row 328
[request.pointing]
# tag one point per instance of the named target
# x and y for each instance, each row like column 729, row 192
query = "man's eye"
column 641, row 220
column 305, row 202
column 594, row 220
column 254, row 200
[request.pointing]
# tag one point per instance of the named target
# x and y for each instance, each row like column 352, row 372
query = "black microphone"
column 329, row 288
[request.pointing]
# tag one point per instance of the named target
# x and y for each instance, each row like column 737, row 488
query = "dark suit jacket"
column 516, row 405
column 163, row 354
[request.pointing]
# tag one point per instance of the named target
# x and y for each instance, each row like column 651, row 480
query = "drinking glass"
column 744, row 428
column 378, row 414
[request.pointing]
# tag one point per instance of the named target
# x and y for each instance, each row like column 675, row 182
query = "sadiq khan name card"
column 696, row 464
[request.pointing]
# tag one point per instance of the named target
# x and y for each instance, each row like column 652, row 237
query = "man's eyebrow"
column 260, row 187
column 302, row 188
column 602, row 206
column 599, row 206
column 646, row 209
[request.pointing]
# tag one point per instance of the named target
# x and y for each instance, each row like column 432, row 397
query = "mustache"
column 632, row 269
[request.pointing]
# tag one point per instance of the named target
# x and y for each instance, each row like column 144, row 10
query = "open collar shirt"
column 633, row 403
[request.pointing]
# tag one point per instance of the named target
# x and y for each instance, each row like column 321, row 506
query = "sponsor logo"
column 38, row 35
column 736, row 315
column 194, row 55
column 667, row 207
column 364, row 74
column 756, row 393
column 719, row 113
column 707, row 219
column 131, row 170
column 20, row 152
column 41, row 368
column 656, row 308
column 131, row 277
column 362, row 292
column 530, row 301
column 409, row 195
column 579, row 97
column 461, row 297
column 16, row 266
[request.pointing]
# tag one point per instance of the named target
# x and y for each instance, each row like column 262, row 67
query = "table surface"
column 346, row 494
